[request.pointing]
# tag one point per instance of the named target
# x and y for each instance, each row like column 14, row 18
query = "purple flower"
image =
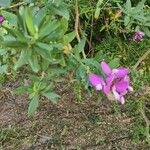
column 121, row 88
column 97, row 81
column 112, row 76
column 116, row 82
column 138, row 36
column 1, row 19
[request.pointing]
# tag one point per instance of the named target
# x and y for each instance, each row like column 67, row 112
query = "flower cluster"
column 1, row 19
column 138, row 36
column 117, row 82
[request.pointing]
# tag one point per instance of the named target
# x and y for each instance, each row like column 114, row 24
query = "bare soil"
column 70, row 125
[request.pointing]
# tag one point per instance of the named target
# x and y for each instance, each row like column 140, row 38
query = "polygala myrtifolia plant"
column 136, row 17
column 42, row 43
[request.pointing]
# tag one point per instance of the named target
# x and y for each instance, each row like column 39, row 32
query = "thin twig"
column 88, row 42
column 13, row 6
column 77, row 20
column 141, row 59
column 77, row 25
column 147, row 121
column 91, row 34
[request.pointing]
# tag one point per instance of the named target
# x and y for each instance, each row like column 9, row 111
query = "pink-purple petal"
column 121, row 73
column 95, row 79
column 138, row 35
column 109, row 82
column 121, row 86
column 110, row 79
column 99, row 87
column 107, row 89
column 122, row 100
column 106, row 69
column 130, row 88
column 124, row 92
column 1, row 19
column 116, row 94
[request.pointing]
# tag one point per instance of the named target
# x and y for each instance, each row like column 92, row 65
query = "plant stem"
column 147, row 121
column 77, row 25
column 13, row 6
column 141, row 59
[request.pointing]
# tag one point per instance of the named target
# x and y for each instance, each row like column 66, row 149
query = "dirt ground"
column 69, row 125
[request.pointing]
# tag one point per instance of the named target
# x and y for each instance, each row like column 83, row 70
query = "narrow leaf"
column 16, row 33
column 5, row 3
column 79, row 47
column 43, row 53
column 98, row 9
column 23, row 58
column 29, row 21
column 33, row 105
column 52, row 96
column 3, row 69
column 69, row 37
column 21, row 90
column 47, row 28
column 128, row 6
column 34, row 64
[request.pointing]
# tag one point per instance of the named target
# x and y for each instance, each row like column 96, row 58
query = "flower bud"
column 1, row 19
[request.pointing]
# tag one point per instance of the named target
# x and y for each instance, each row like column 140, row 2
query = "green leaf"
column 146, row 31
column 47, row 88
column 21, row 90
column 16, row 33
column 2, row 52
column 47, row 47
column 126, row 20
column 98, row 9
column 52, row 96
column 121, row 8
column 61, row 11
column 147, row 24
column 10, row 17
column 81, row 72
column 79, row 47
column 53, row 73
column 67, row 38
column 33, row 105
column 23, row 58
column 43, row 53
column 40, row 16
column 3, row 69
column 140, row 18
column 92, row 63
column 139, row 7
column 13, row 44
column 58, row 7
column 44, row 64
column 114, row 63
column 33, row 62
column 5, row 3
column 47, row 28
column 64, row 25
column 128, row 7
column 28, row 1
column 62, row 61
column 97, row 13
column 21, row 20
column 29, row 21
